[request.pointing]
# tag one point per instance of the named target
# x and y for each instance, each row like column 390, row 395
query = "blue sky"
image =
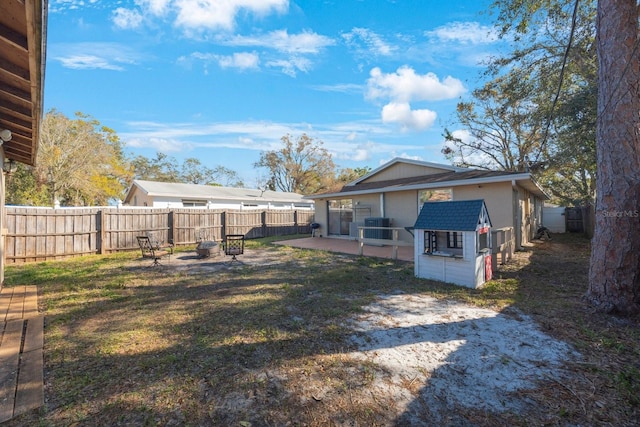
column 223, row 80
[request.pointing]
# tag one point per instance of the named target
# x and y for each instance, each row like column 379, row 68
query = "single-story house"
column 176, row 195
column 397, row 190
column 453, row 243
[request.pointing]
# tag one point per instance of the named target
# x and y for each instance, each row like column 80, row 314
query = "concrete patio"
column 347, row 246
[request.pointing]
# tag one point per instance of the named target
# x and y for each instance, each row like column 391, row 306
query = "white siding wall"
column 479, row 273
column 469, row 245
column 468, row 271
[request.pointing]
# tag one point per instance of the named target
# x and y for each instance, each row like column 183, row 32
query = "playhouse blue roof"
column 460, row 215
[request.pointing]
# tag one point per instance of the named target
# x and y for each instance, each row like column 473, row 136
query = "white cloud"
column 360, row 155
column 126, row 18
column 155, row 7
column 194, row 16
column 88, row 62
column 339, row 88
column 465, row 33
column 221, row 14
column 238, row 60
column 296, row 48
column 302, row 43
column 339, row 139
column 105, row 56
column 291, row 66
column 405, row 85
column 373, row 43
column 402, row 114
column 241, row 60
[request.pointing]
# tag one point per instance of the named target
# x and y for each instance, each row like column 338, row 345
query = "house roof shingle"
column 452, row 178
column 209, row 192
column 461, row 215
column 426, row 179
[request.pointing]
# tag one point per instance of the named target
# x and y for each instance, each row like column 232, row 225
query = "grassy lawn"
column 248, row 345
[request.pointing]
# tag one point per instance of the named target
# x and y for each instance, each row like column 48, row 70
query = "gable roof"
column 462, row 215
column 457, row 177
column 444, row 168
column 209, row 192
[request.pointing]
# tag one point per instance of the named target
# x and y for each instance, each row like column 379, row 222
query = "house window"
column 430, row 242
column 454, row 239
column 194, row 203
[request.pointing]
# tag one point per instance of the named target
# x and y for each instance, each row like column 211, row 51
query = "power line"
column 557, row 96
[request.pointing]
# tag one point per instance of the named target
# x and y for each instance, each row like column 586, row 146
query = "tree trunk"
column 614, row 275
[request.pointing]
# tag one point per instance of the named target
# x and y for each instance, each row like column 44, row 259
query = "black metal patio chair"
column 234, row 245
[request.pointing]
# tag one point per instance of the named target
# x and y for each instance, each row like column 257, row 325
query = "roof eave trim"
column 456, row 183
column 410, row 161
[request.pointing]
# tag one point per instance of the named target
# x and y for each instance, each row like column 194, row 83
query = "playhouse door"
column 488, row 271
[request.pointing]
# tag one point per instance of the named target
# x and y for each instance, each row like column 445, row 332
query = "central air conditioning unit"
column 377, row 234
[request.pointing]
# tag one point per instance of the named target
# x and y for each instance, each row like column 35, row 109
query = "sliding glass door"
column 340, row 216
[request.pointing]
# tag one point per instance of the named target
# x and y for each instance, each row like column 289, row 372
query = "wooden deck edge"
column 30, row 390
column 21, row 352
column 9, row 362
column 34, row 335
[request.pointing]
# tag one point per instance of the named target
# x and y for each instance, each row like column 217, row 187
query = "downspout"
column 382, row 205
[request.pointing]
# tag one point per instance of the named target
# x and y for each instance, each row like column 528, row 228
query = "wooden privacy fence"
column 40, row 234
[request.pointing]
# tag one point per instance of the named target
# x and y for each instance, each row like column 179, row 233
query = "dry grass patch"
column 266, row 342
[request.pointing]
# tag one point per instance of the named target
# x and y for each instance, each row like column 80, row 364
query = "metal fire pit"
column 207, row 248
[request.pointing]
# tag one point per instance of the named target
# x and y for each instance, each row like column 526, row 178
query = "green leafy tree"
column 503, row 131
column 570, row 176
column 164, row 168
column 23, row 188
column 79, row 163
column 537, row 111
column 300, row 166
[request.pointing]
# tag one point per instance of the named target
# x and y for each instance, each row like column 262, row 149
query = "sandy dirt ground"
column 435, row 356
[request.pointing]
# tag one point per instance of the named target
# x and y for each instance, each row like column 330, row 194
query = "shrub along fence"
column 40, row 234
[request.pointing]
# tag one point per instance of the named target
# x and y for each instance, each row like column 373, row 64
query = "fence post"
column 263, row 218
column 223, row 226
column 101, row 232
column 170, row 232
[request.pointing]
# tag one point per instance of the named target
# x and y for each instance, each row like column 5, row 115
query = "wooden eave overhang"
column 22, row 65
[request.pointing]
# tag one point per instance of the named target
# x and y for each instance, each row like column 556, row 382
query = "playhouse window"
column 430, row 242
column 454, row 239
column 483, row 241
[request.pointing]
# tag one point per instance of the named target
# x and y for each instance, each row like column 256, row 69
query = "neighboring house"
column 397, row 190
column 453, row 243
column 22, row 63
column 174, row 195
